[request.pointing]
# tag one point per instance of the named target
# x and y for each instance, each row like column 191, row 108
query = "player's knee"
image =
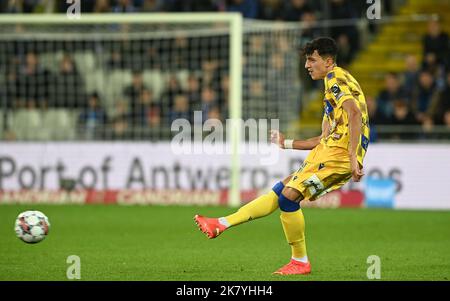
column 289, row 200
column 292, row 194
column 278, row 188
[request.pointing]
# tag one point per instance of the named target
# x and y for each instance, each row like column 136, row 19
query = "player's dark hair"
column 325, row 47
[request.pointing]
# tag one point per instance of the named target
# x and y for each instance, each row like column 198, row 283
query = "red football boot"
column 210, row 226
column 295, row 267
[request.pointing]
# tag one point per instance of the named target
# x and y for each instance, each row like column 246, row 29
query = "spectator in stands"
column 189, row 5
column 270, row 9
column 427, row 128
column 152, row 58
column 209, row 100
column 115, row 60
column 134, row 92
column 141, row 109
column 447, row 119
column 180, row 108
column 411, row 75
column 150, row 6
column 343, row 9
column 69, row 86
column 179, row 53
column 423, row 95
column 32, row 84
column 154, row 117
column 214, row 117
column 310, row 31
column 374, row 118
column 119, row 125
column 248, row 8
column 436, row 69
column 345, row 52
column 102, row 6
column 193, row 92
column 257, row 52
column 146, row 116
column 280, row 86
column 440, row 106
column 210, row 72
column 256, row 98
column 402, row 116
column 25, row 6
column 392, row 91
column 92, row 120
column 294, row 10
column 172, row 89
column 310, row 26
column 121, row 108
column 437, row 42
column 124, row 6
column 120, row 129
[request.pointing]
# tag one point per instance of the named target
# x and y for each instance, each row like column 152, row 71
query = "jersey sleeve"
column 338, row 88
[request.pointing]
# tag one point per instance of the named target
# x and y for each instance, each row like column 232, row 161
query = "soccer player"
column 336, row 157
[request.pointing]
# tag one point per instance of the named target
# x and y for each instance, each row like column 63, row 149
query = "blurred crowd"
column 307, row 11
column 419, row 96
column 138, row 110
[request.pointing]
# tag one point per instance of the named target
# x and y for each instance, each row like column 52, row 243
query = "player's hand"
column 277, row 138
column 357, row 172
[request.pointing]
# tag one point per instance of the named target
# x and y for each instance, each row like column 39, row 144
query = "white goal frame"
column 235, row 22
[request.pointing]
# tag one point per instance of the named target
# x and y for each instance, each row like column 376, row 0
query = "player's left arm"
column 354, row 125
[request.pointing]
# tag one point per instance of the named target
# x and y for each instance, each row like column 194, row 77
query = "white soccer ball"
column 32, row 226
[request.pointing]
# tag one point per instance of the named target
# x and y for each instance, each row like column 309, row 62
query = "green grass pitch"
column 163, row 243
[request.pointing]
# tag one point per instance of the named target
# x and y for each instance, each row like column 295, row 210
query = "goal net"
column 128, row 77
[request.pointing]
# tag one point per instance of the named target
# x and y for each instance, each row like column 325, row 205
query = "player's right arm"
column 279, row 139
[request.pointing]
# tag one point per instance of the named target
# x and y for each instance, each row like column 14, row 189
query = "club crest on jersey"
column 336, row 91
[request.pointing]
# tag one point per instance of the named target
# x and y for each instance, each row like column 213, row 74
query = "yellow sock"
column 259, row 207
column 294, row 230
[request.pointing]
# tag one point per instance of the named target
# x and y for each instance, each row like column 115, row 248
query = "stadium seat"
column 51, row 60
column 154, row 80
column 115, row 83
column 60, row 124
column 182, row 77
column 27, row 125
column 95, row 82
column 85, row 62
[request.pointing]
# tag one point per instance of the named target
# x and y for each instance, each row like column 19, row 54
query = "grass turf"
column 163, row 243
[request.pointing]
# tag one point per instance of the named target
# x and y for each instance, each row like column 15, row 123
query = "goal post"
column 233, row 22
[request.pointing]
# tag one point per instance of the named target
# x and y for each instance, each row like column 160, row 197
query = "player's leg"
column 313, row 180
column 293, row 223
column 259, row 207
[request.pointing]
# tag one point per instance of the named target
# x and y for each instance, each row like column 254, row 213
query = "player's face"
column 317, row 66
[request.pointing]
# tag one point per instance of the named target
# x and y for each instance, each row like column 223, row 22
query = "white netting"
column 130, row 81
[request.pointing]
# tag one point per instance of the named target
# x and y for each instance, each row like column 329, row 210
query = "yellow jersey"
column 340, row 86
